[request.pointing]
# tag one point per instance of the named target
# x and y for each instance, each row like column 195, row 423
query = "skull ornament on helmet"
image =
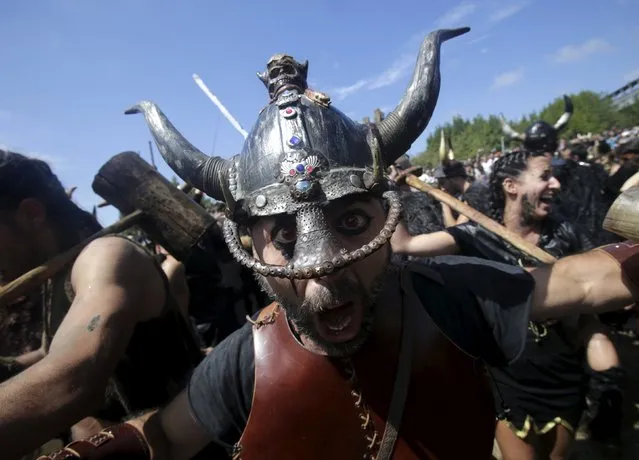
column 282, row 73
column 300, row 155
column 541, row 136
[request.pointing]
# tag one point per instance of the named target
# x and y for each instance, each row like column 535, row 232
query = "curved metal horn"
column 409, row 119
column 565, row 118
column 193, row 166
column 509, row 131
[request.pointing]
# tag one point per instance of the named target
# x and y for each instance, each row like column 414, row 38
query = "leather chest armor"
column 314, row 407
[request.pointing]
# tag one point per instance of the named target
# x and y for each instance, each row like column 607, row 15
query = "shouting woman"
column 541, row 398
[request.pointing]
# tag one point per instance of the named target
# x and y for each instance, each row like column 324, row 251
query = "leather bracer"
column 627, row 255
column 122, row 442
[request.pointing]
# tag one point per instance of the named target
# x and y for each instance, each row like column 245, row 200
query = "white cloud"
column 572, row 53
column 508, row 78
column 343, row 92
column 507, row 11
column 454, row 16
column 631, row 76
column 476, row 40
column 390, row 76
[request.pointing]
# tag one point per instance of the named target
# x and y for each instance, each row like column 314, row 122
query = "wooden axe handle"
column 33, row 278
column 481, row 219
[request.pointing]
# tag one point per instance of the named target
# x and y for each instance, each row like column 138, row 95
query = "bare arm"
column 586, row 283
column 449, row 219
column 172, row 433
column 116, row 287
column 425, row 245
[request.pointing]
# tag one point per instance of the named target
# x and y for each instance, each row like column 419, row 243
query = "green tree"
column 593, row 113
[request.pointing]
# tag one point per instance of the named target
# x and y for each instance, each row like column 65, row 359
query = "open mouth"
column 341, row 323
column 547, row 199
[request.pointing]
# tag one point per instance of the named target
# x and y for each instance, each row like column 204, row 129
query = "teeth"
column 340, row 324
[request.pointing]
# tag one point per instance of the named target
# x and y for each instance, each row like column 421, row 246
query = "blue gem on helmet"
column 300, row 168
column 303, row 186
column 294, row 141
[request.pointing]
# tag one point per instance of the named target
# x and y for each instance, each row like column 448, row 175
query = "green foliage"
column 593, row 113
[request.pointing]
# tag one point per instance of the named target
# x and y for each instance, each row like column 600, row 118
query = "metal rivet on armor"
column 356, row 181
column 358, row 254
column 260, row 201
column 343, row 251
column 338, row 261
column 385, row 233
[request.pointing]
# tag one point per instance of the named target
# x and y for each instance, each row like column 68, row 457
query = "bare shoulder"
column 116, row 263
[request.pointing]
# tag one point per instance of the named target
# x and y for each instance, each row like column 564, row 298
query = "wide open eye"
column 284, row 235
column 353, row 222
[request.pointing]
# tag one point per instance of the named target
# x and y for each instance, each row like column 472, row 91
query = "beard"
column 302, row 316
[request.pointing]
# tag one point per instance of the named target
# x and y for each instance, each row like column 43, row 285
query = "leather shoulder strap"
column 400, row 388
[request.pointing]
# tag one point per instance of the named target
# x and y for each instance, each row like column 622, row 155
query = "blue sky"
column 69, row 68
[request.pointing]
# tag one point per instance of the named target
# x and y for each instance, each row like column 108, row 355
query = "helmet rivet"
column 356, row 181
column 260, row 201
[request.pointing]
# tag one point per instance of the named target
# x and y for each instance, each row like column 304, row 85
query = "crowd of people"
column 333, row 311
column 610, row 150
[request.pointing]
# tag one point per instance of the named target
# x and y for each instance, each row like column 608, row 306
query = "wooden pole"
column 33, row 278
column 485, row 221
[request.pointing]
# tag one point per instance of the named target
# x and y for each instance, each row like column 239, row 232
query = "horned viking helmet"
column 303, row 153
column 541, row 136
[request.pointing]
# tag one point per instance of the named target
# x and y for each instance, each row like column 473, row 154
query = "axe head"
column 623, row 216
column 171, row 218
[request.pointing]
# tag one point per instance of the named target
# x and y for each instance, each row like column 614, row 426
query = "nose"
column 316, row 245
column 554, row 184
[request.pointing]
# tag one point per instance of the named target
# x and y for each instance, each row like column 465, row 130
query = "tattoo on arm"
column 93, row 323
